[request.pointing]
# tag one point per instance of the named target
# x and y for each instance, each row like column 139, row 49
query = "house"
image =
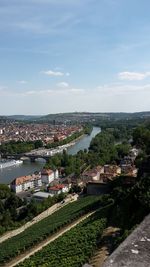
column 48, row 175
column 78, row 182
column 93, row 174
column 59, row 137
column 100, row 184
column 66, row 182
column 134, row 153
column 72, row 181
column 129, row 170
column 56, row 174
column 57, row 189
column 107, row 177
column 112, row 169
column 25, row 183
column 127, row 160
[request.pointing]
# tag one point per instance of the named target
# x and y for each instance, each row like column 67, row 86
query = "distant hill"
column 86, row 115
column 79, row 116
column 23, row 117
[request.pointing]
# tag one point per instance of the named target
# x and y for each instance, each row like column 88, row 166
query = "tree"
column 123, row 150
column 38, row 143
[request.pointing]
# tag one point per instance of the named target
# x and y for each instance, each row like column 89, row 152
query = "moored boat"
column 10, row 163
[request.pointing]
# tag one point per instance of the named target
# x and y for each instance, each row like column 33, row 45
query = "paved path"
column 44, row 243
column 38, row 218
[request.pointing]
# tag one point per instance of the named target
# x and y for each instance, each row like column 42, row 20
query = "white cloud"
column 133, row 76
column 57, row 92
column 120, row 89
column 53, row 73
column 38, row 92
column 106, row 98
column 22, row 82
column 63, row 84
column 77, row 90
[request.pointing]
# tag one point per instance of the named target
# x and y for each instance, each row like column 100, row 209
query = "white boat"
column 10, row 163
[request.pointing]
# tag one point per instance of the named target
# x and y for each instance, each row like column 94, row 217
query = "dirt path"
column 44, row 243
column 104, row 249
column 36, row 219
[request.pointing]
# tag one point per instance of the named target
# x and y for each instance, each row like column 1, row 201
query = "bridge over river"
column 41, row 153
column 32, row 165
column 32, row 157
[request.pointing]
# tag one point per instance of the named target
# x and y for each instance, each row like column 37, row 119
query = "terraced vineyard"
column 43, row 229
column 73, row 249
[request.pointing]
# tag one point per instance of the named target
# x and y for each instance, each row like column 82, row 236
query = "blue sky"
column 73, row 55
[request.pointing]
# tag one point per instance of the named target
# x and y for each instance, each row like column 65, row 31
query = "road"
column 38, row 218
column 44, row 243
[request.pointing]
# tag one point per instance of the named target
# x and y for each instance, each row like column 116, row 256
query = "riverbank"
column 82, row 142
column 65, row 141
column 52, row 151
column 77, row 139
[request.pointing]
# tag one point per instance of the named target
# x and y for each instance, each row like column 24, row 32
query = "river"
column 84, row 142
column 8, row 174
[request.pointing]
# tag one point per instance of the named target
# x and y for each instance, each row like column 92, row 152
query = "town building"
column 127, row 169
column 25, row 183
column 58, row 189
column 48, row 176
column 107, row 177
column 92, row 174
column 99, row 179
column 112, row 169
column 134, row 153
column 17, row 131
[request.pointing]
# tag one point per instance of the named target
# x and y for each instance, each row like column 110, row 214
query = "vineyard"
column 73, row 249
column 48, row 226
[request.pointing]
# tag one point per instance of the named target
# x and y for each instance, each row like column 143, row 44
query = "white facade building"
column 48, row 176
column 25, row 183
column 56, row 174
column 57, row 189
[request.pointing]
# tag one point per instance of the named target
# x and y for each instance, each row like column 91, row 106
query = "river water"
column 10, row 173
column 84, row 142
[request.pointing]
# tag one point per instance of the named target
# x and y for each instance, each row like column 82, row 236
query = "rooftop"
column 57, row 187
column 41, row 195
column 46, row 172
column 25, row 179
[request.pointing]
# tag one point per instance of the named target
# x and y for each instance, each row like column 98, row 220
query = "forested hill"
column 81, row 116
column 87, row 115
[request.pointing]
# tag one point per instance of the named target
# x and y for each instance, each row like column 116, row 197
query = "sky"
column 74, row 55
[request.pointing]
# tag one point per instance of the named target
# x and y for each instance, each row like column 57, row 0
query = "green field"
column 73, row 249
column 46, row 227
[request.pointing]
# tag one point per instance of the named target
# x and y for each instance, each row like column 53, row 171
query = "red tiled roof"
column 25, row 179
column 56, row 187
